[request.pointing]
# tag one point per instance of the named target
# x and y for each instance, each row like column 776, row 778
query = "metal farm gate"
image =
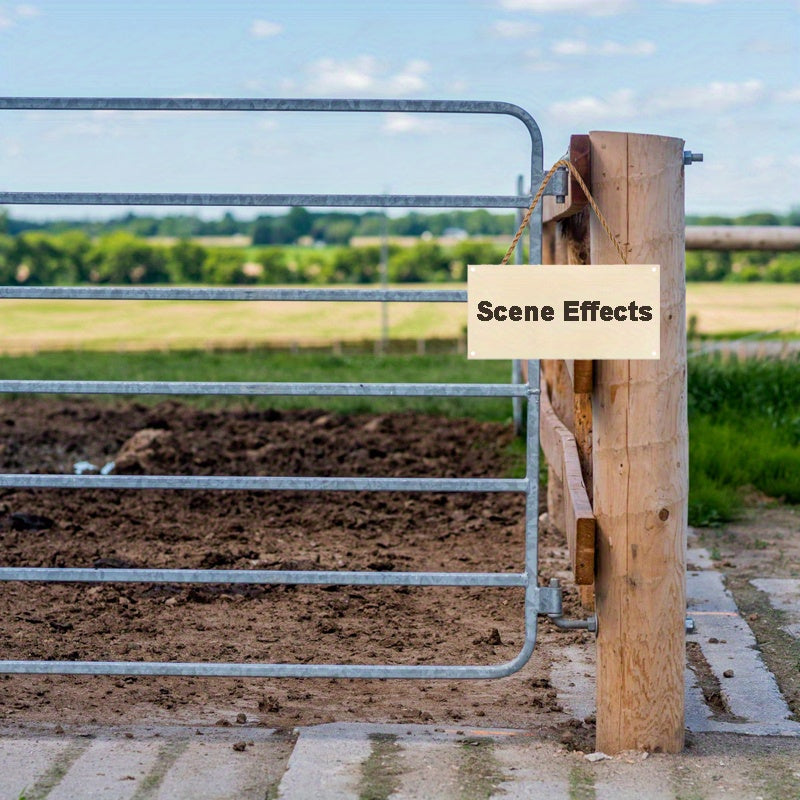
column 538, row 600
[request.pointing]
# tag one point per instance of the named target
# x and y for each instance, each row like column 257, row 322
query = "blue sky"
column 721, row 74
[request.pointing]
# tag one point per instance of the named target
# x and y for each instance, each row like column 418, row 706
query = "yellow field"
column 34, row 325
column 722, row 307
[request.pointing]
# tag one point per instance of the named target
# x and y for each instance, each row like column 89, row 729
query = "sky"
column 721, row 74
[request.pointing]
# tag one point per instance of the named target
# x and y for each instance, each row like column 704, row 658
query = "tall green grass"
column 744, row 434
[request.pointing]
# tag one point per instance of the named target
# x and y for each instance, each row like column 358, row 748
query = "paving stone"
column 784, row 595
column 213, row 770
column 753, row 692
column 326, row 762
column 23, row 761
column 110, row 769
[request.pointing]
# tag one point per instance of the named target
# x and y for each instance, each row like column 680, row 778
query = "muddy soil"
column 267, row 530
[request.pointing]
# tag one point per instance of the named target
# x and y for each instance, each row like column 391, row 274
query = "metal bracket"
column 551, row 605
column 558, row 185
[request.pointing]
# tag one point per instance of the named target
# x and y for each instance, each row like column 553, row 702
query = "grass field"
column 36, row 325
column 264, row 365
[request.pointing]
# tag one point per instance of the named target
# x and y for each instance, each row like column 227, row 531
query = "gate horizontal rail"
column 270, row 389
column 538, row 600
column 255, row 576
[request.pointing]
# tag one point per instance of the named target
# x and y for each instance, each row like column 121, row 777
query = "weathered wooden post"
column 640, row 451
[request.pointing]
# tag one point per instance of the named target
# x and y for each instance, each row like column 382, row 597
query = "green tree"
column 185, row 262
column 425, row 261
column 122, row 258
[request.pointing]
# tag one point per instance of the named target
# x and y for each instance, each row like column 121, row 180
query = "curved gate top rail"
column 266, row 104
column 538, row 600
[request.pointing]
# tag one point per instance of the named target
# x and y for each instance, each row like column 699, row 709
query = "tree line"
column 298, row 223
column 120, row 258
column 326, row 227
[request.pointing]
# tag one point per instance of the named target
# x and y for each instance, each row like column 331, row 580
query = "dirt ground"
column 268, row 530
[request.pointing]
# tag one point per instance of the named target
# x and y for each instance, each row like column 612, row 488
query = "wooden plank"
column 580, row 372
column 561, row 452
column 640, row 454
column 579, row 155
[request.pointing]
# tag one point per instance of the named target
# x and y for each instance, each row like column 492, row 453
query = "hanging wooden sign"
column 564, row 311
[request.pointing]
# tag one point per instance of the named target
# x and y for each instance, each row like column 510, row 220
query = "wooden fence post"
column 640, row 443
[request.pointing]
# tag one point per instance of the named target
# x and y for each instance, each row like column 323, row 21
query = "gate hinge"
column 558, row 185
column 551, row 605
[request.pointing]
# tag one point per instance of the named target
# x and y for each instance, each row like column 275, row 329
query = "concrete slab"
column 784, row 595
column 24, row 761
column 326, row 762
column 752, row 692
column 534, row 769
column 213, row 770
column 625, row 779
column 573, row 677
column 427, row 762
column 109, row 769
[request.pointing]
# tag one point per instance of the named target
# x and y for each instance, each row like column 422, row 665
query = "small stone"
column 240, row 747
column 728, row 673
column 171, row 601
column 713, row 640
column 596, row 757
column 58, row 729
column 753, row 617
column 128, row 735
column 241, row 718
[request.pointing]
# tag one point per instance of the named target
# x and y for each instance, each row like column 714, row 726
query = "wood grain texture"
column 640, row 455
column 561, row 452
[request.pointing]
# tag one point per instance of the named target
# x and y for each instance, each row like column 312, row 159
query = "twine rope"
column 563, row 162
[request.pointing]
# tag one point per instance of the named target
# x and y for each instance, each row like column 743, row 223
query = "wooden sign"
column 559, row 311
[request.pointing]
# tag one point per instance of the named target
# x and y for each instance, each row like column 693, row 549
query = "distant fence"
column 742, row 237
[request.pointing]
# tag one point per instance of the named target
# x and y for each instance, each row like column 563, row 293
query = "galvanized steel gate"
column 538, row 600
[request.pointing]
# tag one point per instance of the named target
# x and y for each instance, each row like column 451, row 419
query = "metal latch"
column 551, row 605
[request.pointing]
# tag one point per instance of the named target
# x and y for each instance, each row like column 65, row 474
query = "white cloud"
column 581, row 47
column 366, row 75
column 618, row 105
column 10, row 17
column 767, row 47
column 263, row 28
column 595, row 8
column 411, row 123
column 514, row 29
column 788, row 95
column 713, row 97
